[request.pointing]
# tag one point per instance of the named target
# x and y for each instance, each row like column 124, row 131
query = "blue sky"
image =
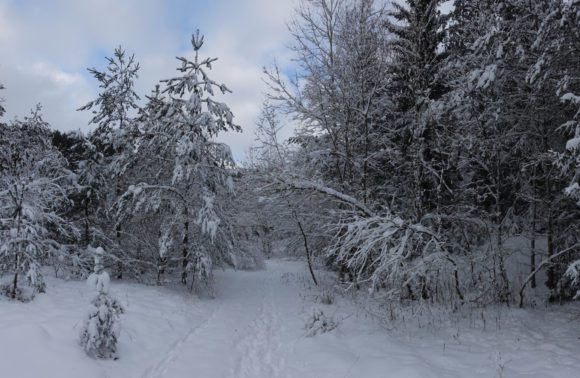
column 46, row 46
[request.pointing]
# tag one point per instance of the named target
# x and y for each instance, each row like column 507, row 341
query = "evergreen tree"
column 186, row 172
column 557, row 68
column 117, row 99
column 100, row 333
column 114, row 132
column 418, row 82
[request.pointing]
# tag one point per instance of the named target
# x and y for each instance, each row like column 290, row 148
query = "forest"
column 433, row 161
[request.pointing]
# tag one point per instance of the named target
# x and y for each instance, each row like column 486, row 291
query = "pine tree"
column 117, row 99
column 115, row 127
column 186, row 171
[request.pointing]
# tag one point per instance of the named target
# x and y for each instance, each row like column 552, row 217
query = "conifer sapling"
column 100, row 332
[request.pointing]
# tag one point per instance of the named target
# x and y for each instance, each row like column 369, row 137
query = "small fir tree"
column 100, row 332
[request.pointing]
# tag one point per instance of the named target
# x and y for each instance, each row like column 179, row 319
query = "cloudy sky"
column 46, row 46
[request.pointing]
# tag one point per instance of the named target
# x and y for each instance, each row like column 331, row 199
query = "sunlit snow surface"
column 255, row 328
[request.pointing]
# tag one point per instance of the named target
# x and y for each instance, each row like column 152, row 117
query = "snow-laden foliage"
column 89, row 195
column 2, row 110
column 454, row 123
column 207, row 218
column 100, row 332
column 319, row 323
column 389, row 252
column 113, row 106
column 33, row 182
column 179, row 173
column 556, row 47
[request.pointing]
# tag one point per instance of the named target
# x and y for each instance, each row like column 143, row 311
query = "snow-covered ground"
column 255, row 328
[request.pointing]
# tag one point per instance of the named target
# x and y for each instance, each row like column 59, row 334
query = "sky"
column 46, row 47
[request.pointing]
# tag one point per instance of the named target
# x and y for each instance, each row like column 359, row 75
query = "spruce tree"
column 418, row 83
column 100, row 333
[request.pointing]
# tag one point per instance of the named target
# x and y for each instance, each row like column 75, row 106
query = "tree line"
column 149, row 187
column 434, row 157
column 435, row 151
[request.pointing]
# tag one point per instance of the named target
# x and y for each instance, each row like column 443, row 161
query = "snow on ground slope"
column 255, row 328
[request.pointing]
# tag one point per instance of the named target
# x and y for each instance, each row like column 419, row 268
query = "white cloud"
column 47, row 46
column 53, row 74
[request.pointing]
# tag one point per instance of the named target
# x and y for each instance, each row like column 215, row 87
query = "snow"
column 230, row 184
column 255, row 328
column 308, row 185
column 99, row 282
column 572, row 144
column 570, row 97
column 487, row 76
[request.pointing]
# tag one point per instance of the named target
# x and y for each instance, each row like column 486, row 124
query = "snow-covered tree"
column 352, row 161
column 337, row 95
column 112, row 109
column 506, row 112
column 90, row 180
column 417, row 85
column 32, row 195
column 183, row 171
column 556, row 70
column 100, row 333
column 557, row 43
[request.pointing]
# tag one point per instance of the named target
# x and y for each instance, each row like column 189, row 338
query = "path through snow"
column 242, row 337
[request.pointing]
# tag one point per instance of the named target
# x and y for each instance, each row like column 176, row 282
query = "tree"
column 183, row 172
column 338, row 94
column 417, row 86
column 115, row 127
column 425, row 149
column 338, row 99
column 32, row 192
column 100, row 333
column 557, row 67
column 117, row 98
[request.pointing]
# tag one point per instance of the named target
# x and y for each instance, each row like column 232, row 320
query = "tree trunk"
column 87, row 227
column 307, row 250
column 308, row 254
column 185, row 252
column 17, row 256
column 118, row 234
column 504, row 285
column 545, row 262
column 551, row 279
column 533, row 246
column 366, row 162
column 161, row 263
column 15, row 282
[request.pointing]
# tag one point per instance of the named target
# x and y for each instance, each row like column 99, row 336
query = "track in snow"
column 160, row 369
column 242, row 337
